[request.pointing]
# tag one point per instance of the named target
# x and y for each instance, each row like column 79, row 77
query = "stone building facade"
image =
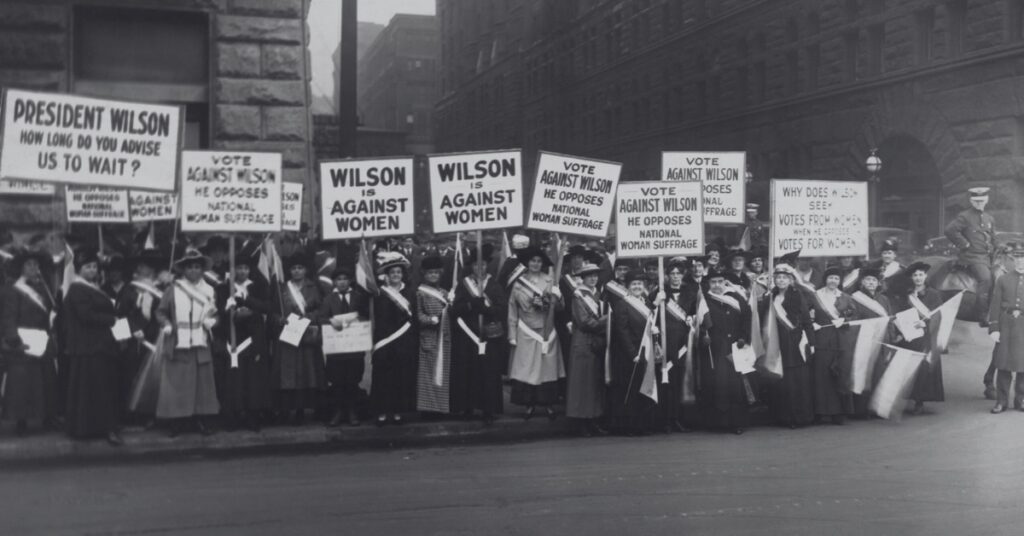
column 238, row 66
column 807, row 87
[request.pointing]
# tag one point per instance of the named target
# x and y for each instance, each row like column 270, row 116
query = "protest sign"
column 357, row 336
column 476, row 191
column 230, row 191
column 573, row 195
column 659, row 219
column 153, row 206
column 819, row 218
column 96, row 205
column 20, row 187
column 291, row 206
column 79, row 140
column 366, row 198
column 723, row 175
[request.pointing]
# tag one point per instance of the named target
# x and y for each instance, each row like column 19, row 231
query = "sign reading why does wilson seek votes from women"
column 573, row 195
column 366, row 198
column 225, row 191
column 79, row 140
column 96, row 205
column 659, row 219
column 819, row 218
column 476, row 191
column 723, row 175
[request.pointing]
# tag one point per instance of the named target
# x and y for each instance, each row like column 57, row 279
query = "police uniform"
column 1006, row 317
column 973, row 232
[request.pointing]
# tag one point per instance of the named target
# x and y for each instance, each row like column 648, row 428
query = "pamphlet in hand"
column 293, row 331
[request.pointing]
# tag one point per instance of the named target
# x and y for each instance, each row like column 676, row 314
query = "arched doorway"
column 910, row 187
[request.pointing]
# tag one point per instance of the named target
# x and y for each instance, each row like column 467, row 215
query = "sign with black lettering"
column 476, row 191
column 724, row 177
column 366, row 198
column 573, row 195
column 20, row 187
column 819, row 218
column 659, row 219
column 153, row 206
column 80, row 140
column 96, row 205
column 224, row 191
column 291, row 206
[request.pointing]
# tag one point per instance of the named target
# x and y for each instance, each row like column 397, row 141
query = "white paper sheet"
column 905, row 322
column 356, row 337
column 35, row 339
column 294, row 330
column 743, row 359
column 121, row 330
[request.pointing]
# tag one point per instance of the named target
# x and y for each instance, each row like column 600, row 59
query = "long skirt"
column 794, row 404
column 30, row 389
column 827, row 385
column 393, row 376
column 431, row 394
column 92, row 395
column 248, row 387
column 476, row 379
column 298, row 368
column 343, row 377
column 187, row 386
column 585, row 392
column 524, row 394
column 928, row 384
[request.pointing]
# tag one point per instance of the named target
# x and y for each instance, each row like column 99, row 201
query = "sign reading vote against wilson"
column 291, row 206
column 573, row 195
column 366, row 198
column 659, row 219
column 96, row 205
column 79, row 140
column 229, row 191
column 820, row 218
column 476, row 191
column 724, row 178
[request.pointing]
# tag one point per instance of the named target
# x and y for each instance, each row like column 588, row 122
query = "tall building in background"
column 397, row 83
column 807, row 87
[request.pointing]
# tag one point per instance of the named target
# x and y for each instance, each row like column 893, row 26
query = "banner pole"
column 99, row 233
column 174, row 243
column 231, row 289
column 479, row 278
column 661, row 308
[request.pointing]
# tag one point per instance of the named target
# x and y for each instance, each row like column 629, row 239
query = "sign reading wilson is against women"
column 476, row 191
column 366, row 198
column 230, row 191
column 80, row 140
column 573, row 195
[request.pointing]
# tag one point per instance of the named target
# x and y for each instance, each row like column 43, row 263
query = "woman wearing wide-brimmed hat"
column 793, row 399
column 187, row 314
column 30, row 388
column 299, row 370
column 395, row 342
column 585, row 391
column 914, row 292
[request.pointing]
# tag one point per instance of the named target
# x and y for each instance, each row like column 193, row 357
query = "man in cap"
column 1006, row 327
column 973, row 233
column 757, row 231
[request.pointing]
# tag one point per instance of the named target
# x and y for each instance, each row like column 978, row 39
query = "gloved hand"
column 167, row 329
column 994, row 336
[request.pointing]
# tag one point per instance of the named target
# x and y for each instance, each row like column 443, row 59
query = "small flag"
column 150, row 238
column 649, row 383
column 756, row 339
column 947, row 317
column 772, row 362
column 458, row 261
column 745, row 240
column 364, row 270
column 865, row 352
column 69, row 270
column 270, row 262
column 895, row 384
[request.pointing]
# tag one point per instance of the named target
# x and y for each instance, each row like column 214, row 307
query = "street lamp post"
column 874, row 166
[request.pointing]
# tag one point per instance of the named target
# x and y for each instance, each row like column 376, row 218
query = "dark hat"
column 215, row 243
column 487, row 250
column 115, row 263
column 1015, row 249
column 246, row 259
column 387, row 260
column 871, row 271
column 298, row 258
column 576, row 249
column 834, row 270
column 917, row 265
column 713, row 246
column 432, row 262
column 979, row 191
column 342, row 269
column 524, row 255
column 587, row 268
column 192, row 255
column 734, row 278
column 676, row 265
column 889, row 245
column 41, row 257
column 624, row 262
column 715, row 272
column 733, row 253
column 757, row 252
column 789, row 258
column 636, row 275
column 594, row 257
column 85, row 255
column 149, row 257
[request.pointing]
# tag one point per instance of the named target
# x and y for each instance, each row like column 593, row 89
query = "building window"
column 876, row 45
column 852, row 10
column 925, row 21
column 1016, row 21
column 851, row 40
column 813, row 61
column 792, row 72
column 957, row 10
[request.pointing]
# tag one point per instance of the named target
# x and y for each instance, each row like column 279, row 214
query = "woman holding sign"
column 299, row 363
column 395, row 342
column 30, row 388
column 536, row 364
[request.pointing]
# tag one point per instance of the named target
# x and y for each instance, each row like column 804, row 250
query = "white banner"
column 659, row 219
column 79, row 140
column 230, row 191
column 291, row 206
column 476, row 191
column 724, row 177
column 367, row 198
column 20, row 187
column 153, row 206
column 573, row 195
column 355, row 337
column 819, row 218
column 96, row 205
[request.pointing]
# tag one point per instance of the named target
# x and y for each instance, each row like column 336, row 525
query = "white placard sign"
column 291, row 206
column 153, row 206
column 573, row 195
column 367, row 198
column 476, row 191
column 724, row 177
column 20, row 187
column 96, row 205
column 64, row 138
column 224, row 191
column 819, row 218
column 355, row 337
column 659, row 219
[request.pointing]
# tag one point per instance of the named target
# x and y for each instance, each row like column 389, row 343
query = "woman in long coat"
column 585, row 394
column 630, row 411
column 724, row 394
column 433, row 385
column 536, row 365
column 832, row 363
column 395, row 342
column 247, row 394
column 677, row 334
column 298, row 371
column 793, row 399
column 30, row 389
column 871, row 303
column 89, row 315
column 476, row 376
column 924, row 299
column 187, row 314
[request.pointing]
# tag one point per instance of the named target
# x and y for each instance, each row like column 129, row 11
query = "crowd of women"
column 125, row 340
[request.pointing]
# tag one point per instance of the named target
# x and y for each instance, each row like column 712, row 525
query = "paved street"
column 955, row 470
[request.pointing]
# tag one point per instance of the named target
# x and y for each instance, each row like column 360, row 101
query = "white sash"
column 891, row 269
column 870, row 303
column 587, row 299
column 673, row 307
column 733, row 287
column 212, row 277
column 518, row 271
column 79, row 280
column 780, row 312
column 530, row 286
column 148, row 288
column 545, row 345
column 433, row 293
column 616, row 288
column 827, row 301
column 475, row 290
column 481, row 346
column 391, row 338
column 571, row 281
column 851, row 278
column 399, row 300
column 296, row 294
column 922, row 309
column 31, row 294
column 727, row 300
column 189, row 321
column 638, row 305
column 326, row 280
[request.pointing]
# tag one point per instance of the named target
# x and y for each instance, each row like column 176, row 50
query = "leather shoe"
column 998, row 408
